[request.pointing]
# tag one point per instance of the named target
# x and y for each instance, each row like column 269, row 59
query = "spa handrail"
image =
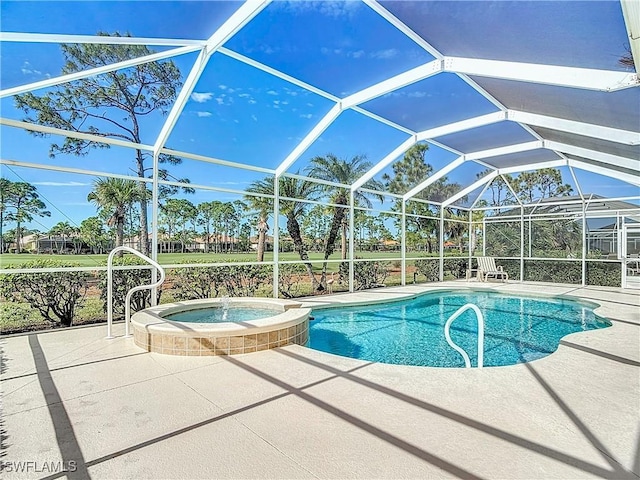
column 480, row 317
column 127, row 300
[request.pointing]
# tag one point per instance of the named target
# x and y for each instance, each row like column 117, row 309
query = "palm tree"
column 115, row 195
column 333, row 169
column 292, row 209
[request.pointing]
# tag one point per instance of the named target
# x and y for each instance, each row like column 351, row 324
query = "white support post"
column 441, row 267
column 584, row 243
column 351, row 241
column 484, row 237
column 470, row 236
column 403, row 244
column 276, row 236
column 521, row 243
column 155, row 200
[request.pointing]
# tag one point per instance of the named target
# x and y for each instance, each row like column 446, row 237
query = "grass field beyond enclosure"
column 12, row 259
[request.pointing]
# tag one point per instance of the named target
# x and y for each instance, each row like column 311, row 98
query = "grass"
column 13, row 259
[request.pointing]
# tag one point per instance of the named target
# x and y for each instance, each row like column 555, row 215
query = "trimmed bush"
column 366, row 275
column 606, row 274
column 429, row 267
column 56, row 295
column 555, row 271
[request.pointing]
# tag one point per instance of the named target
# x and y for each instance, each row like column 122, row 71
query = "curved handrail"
column 480, row 317
column 127, row 300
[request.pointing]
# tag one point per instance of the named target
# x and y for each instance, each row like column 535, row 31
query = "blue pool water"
column 217, row 315
column 411, row 332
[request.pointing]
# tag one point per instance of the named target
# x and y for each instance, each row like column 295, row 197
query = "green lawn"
column 12, row 259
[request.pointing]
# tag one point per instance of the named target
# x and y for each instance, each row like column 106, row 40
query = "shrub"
column 457, row 267
column 428, row 267
column 366, row 274
column 289, row 276
column 244, row 280
column 552, row 271
column 125, row 280
column 207, row 282
column 56, row 295
column 606, row 274
column 196, row 282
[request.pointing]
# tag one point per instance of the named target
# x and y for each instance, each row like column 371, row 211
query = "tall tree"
column 20, row 203
column 92, row 233
column 413, row 169
column 108, row 105
column 62, row 229
column 333, row 169
column 292, row 209
column 114, row 196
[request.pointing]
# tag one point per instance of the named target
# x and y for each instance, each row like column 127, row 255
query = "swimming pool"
column 411, row 332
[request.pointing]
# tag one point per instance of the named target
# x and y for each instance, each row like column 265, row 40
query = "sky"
column 241, row 114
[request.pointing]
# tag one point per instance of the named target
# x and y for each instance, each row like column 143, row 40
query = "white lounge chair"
column 487, row 268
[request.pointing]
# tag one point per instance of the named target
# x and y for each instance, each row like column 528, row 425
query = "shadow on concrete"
column 65, row 436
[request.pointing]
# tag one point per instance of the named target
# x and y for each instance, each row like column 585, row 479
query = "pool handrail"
column 480, row 318
column 127, row 300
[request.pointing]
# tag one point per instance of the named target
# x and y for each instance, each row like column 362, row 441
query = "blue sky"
column 241, row 114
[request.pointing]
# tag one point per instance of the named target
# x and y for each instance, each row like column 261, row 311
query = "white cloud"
column 306, row 115
column 252, row 101
column 60, row 184
column 222, row 87
column 244, row 95
column 220, row 100
column 255, row 119
column 201, row 97
column 417, row 94
column 329, row 8
column 272, row 92
column 27, row 69
column 384, row 54
column 309, row 104
column 203, row 114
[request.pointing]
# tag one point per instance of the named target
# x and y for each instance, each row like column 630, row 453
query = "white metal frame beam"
column 586, row 78
column 630, row 163
column 625, row 177
column 394, row 83
column 51, row 82
column 462, row 125
column 631, row 14
column 71, row 134
column 311, row 137
column 466, row 191
column 495, row 152
column 389, row 158
column 579, row 128
column 433, row 178
column 97, row 39
column 235, row 22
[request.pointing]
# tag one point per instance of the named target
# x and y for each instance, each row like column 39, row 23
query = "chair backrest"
column 487, row 264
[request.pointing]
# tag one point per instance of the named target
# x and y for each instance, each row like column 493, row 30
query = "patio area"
column 107, row 409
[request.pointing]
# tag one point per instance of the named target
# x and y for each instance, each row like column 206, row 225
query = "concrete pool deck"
column 107, row 409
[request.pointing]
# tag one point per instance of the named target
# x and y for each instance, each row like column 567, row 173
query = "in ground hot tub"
column 231, row 326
